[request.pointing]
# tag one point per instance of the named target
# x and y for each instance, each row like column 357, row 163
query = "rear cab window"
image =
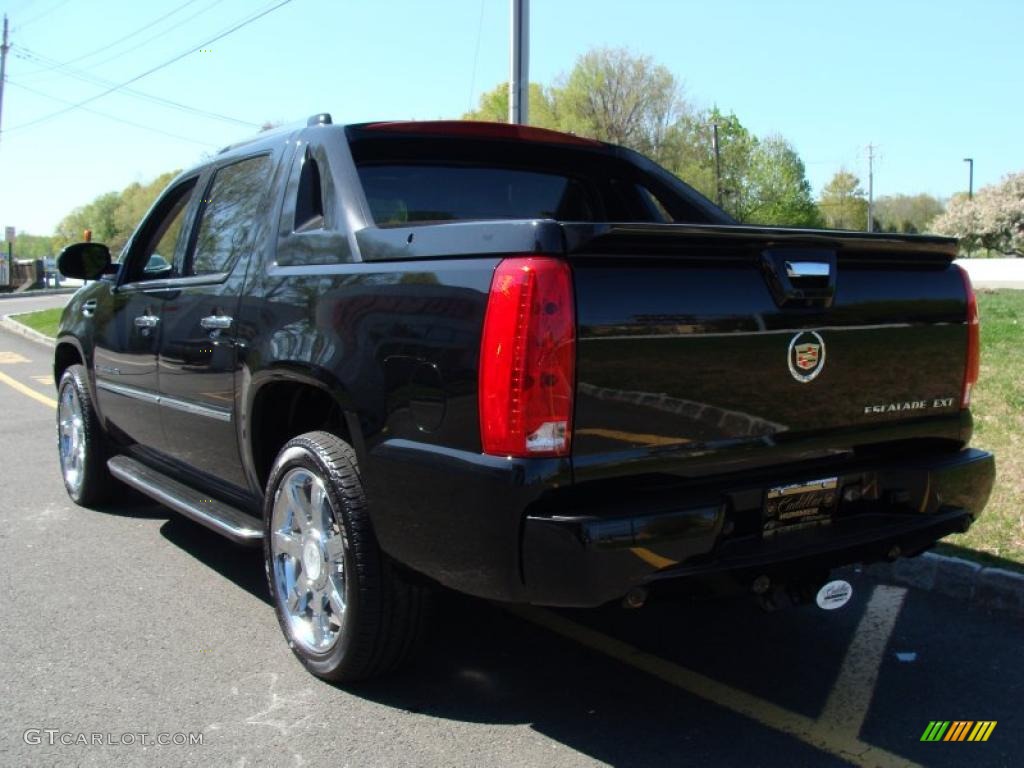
column 411, row 179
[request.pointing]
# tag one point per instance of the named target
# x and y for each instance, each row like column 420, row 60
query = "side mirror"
column 84, row 261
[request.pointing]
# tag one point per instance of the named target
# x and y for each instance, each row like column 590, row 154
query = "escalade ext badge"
column 806, row 356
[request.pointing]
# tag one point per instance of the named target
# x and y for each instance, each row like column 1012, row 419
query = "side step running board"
column 216, row 515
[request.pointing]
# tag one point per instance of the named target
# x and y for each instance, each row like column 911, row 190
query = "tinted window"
column 309, row 201
column 398, row 194
column 153, row 255
column 229, row 213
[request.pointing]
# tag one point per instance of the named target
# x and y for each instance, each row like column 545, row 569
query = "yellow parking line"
column 847, row 705
column 27, row 391
column 652, row 558
column 778, row 718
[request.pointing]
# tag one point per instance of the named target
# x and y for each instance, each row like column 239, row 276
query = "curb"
column 977, row 585
column 8, row 323
column 43, row 292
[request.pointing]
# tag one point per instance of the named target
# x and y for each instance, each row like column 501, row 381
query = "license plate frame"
column 798, row 506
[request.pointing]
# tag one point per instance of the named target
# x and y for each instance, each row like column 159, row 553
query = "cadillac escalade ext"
column 517, row 363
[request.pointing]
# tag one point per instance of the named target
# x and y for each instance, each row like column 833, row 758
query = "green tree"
column 908, row 214
column 112, row 216
column 97, row 215
column 493, row 107
column 689, row 153
column 614, row 95
column 843, row 203
column 28, row 246
column 775, row 189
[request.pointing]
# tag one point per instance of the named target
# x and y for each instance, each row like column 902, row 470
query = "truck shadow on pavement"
column 483, row 664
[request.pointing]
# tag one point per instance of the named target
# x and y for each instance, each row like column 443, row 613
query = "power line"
column 476, row 56
column 150, row 71
column 38, row 16
column 162, row 33
column 112, row 117
column 27, row 54
column 119, row 40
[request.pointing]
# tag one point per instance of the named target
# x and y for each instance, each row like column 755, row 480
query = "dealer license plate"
column 800, row 505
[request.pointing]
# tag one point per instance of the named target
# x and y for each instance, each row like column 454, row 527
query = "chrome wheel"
column 71, row 438
column 308, row 552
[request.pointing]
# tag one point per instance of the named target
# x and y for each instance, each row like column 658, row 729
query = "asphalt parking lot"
column 130, row 622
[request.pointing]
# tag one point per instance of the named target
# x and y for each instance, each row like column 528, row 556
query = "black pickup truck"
column 521, row 364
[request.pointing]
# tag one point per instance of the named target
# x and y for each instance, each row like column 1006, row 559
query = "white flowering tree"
column 993, row 220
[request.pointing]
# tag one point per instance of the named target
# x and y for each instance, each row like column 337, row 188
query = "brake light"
column 972, row 367
column 528, row 359
column 473, row 129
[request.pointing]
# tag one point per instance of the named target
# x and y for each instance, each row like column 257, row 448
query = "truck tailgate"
column 710, row 349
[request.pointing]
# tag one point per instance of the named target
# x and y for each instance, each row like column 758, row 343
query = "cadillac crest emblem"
column 806, row 356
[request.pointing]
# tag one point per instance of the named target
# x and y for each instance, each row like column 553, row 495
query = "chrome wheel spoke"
column 287, row 544
column 298, row 502
column 320, row 507
column 336, row 601
column 296, row 599
column 335, row 548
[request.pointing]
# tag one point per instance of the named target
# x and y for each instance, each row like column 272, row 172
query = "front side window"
column 158, row 240
column 229, row 214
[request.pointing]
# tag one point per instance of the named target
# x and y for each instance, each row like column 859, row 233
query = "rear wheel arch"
column 283, row 404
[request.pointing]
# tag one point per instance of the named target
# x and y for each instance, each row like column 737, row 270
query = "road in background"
column 13, row 305
column 132, row 620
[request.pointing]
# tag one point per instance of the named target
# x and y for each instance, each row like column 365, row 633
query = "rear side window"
column 229, row 214
column 400, row 194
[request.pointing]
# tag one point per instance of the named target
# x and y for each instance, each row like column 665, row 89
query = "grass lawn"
column 45, row 321
column 998, row 409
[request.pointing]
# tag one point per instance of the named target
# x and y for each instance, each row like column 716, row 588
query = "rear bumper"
column 713, row 539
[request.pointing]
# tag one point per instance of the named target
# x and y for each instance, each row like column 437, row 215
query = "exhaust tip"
column 635, row 598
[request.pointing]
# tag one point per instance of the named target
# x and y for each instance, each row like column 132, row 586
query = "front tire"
column 80, row 444
column 345, row 610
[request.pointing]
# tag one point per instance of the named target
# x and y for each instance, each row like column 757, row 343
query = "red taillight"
column 528, row 359
column 973, row 365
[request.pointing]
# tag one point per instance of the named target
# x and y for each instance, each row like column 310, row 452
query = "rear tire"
column 80, row 443
column 346, row 611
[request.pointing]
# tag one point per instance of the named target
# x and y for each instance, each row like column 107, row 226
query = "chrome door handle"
column 800, row 269
column 89, row 307
column 146, row 321
column 216, row 322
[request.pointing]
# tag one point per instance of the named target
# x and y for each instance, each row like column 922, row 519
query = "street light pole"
column 970, row 179
column 4, row 47
column 519, row 77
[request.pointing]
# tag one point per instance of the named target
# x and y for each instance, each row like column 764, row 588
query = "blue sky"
column 928, row 83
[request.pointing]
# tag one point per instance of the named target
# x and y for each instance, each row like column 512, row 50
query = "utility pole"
column 718, row 162
column 3, row 68
column 871, row 187
column 519, row 77
column 968, row 160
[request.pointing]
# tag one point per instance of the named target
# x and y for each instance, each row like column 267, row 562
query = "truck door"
column 198, row 356
column 127, row 322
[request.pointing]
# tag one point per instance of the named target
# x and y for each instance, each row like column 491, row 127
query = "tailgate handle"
column 800, row 277
column 798, row 269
